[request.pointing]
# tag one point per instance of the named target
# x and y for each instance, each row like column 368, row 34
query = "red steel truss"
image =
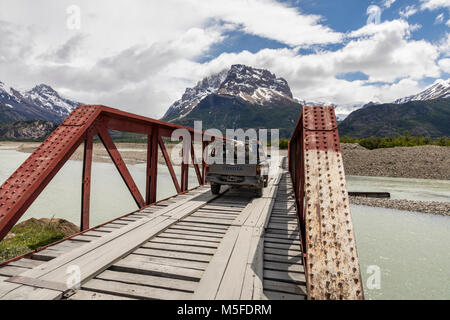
column 328, row 241
column 81, row 126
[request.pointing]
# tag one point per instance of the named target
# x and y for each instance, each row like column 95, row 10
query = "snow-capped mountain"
column 439, row 89
column 255, row 86
column 40, row 103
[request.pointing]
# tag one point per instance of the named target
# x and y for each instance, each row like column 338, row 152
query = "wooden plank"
column 155, row 269
column 291, row 247
column 147, row 280
column 219, row 229
column 283, row 258
column 252, row 287
column 26, row 263
column 282, row 240
column 173, row 254
column 288, row 267
column 233, row 278
column 283, row 226
column 227, row 218
column 11, row 271
column 212, row 277
column 192, row 243
column 167, row 261
column 273, row 295
column 285, row 276
column 133, row 291
column 205, row 234
column 82, row 237
column 181, row 236
column 91, row 295
column 284, row 287
column 290, row 253
column 30, row 293
column 208, row 221
column 180, row 248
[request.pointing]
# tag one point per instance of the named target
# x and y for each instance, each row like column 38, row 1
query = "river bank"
column 431, row 207
column 422, row 162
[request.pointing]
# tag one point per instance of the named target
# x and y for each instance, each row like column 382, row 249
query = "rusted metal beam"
column 331, row 266
column 86, row 183
column 169, row 164
column 195, row 164
column 185, row 165
column 120, row 164
column 204, row 148
column 152, row 166
column 21, row 189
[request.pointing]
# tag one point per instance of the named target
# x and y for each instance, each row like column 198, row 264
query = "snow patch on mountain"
column 439, row 89
column 42, row 102
column 46, row 97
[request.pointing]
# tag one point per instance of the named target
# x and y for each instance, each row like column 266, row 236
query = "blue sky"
column 140, row 56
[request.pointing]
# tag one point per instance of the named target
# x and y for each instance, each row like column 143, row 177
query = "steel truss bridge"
column 295, row 242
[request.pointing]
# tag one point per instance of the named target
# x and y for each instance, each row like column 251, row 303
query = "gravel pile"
column 423, row 162
column 433, row 207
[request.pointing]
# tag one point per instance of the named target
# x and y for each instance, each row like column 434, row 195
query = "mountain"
column 40, row 103
column 428, row 118
column 440, row 89
column 239, row 97
column 26, row 130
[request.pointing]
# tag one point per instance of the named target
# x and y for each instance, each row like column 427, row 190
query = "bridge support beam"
column 86, row 184
column 316, row 165
column 152, row 167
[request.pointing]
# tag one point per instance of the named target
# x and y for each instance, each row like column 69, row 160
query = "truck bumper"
column 243, row 181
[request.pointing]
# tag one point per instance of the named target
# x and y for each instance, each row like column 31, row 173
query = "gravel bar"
column 433, row 207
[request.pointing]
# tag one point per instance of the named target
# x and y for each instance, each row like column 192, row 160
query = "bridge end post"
column 331, row 259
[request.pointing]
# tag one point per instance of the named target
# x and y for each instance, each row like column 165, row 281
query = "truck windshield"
column 239, row 153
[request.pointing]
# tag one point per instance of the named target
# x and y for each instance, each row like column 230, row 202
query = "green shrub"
column 404, row 140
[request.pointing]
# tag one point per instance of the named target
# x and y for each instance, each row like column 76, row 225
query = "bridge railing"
column 328, row 241
column 21, row 189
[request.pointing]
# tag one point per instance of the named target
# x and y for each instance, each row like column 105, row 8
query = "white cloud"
column 439, row 18
column 383, row 52
column 408, row 11
column 445, row 65
column 388, row 3
column 434, row 4
column 448, row 23
column 140, row 56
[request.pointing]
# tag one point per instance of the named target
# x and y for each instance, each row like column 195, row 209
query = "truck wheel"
column 259, row 192
column 266, row 181
column 215, row 188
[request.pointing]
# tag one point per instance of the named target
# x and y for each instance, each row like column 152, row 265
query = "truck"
column 253, row 171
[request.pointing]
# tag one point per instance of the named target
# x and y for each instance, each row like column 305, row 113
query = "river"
column 410, row 250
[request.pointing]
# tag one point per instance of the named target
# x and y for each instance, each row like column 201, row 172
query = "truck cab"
column 238, row 169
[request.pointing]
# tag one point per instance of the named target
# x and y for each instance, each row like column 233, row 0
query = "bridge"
column 295, row 242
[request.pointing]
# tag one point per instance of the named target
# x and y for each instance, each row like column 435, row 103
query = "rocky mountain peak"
column 44, row 89
column 257, row 86
column 254, row 85
column 439, row 89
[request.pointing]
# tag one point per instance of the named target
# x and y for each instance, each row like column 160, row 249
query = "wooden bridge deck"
column 192, row 246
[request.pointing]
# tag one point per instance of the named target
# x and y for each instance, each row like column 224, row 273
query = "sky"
column 141, row 55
